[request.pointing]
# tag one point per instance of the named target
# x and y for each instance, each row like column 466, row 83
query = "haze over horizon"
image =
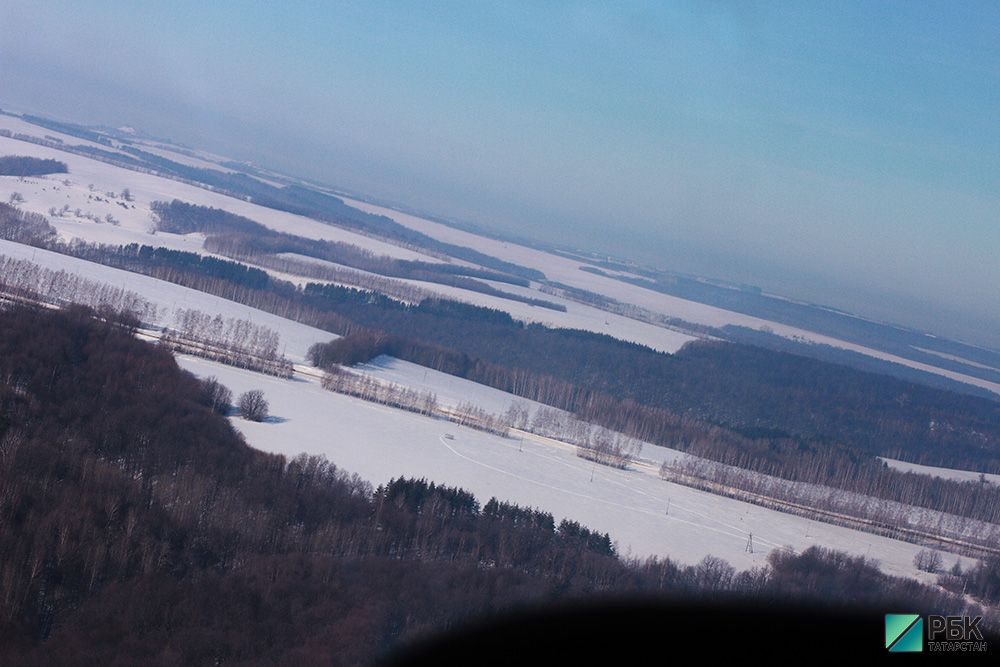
column 847, row 155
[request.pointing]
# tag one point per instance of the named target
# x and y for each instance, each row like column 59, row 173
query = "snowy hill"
column 101, row 202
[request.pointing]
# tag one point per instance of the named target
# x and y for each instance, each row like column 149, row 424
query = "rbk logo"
column 904, row 632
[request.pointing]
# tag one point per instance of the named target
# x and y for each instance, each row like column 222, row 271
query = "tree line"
column 23, row 281
column 151, row 260
column 870, row 513
column 761, row 450
column 23, row 165
column 294, row 198
column 775, row 413
column 138, row 527
column 232, row 341
column 23, row 227
column 246, row 240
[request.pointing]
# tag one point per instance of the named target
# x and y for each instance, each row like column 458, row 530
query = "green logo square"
column 904, row 633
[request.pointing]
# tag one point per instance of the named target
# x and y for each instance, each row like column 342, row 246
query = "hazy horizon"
column 845, row 155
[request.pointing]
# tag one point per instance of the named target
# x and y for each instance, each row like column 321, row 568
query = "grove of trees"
column 23, row 165
column 138, row 528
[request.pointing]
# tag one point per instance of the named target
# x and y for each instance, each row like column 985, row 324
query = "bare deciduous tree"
column 928, row 561
column 219, row 394
column 253, row 406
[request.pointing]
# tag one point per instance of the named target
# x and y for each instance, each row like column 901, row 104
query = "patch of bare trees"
column 341, row 381
column 232, row 341
column 24, row 281
column 23, row 227
column 471, row 415
column 928, row 561
column 838, row 506
column 594, row 443
column 221, row 396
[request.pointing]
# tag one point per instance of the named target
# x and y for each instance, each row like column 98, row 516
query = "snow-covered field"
column 90, row 179
column 41, row 193
column 296, row 339
column 643, row 514
column 450, row 390
column 567, row 271
column 135, row 225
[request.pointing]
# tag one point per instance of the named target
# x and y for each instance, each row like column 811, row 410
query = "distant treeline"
column 22, row 165
column 823, row 352
column 899, row 341
column 867, row 362
column 67, row 128
column 805, row 420
column 739, row 386
column 291, row 198
column 138, row 527
column 160, row 262
column 332, row 210
column 768, row 451
column 246, row 240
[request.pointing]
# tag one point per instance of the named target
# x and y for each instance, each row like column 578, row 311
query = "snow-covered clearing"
column 90, row 182
column 42, row 193
column 135, row 225
column 296, row 339
column 643, row 514
column 450, row 390
column 567, row 271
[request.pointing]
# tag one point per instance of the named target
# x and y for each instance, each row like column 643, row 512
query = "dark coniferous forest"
column 138, row 528
column 766, row 410
column 22, row 165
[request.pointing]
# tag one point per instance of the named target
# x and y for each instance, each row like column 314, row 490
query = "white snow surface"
column 296, row 339
column 567, row 271
column 44, row 192
column 136, row 223
column 643, row 514
column 450, row 390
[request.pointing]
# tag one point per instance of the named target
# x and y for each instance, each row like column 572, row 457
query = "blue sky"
column 847, row 153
